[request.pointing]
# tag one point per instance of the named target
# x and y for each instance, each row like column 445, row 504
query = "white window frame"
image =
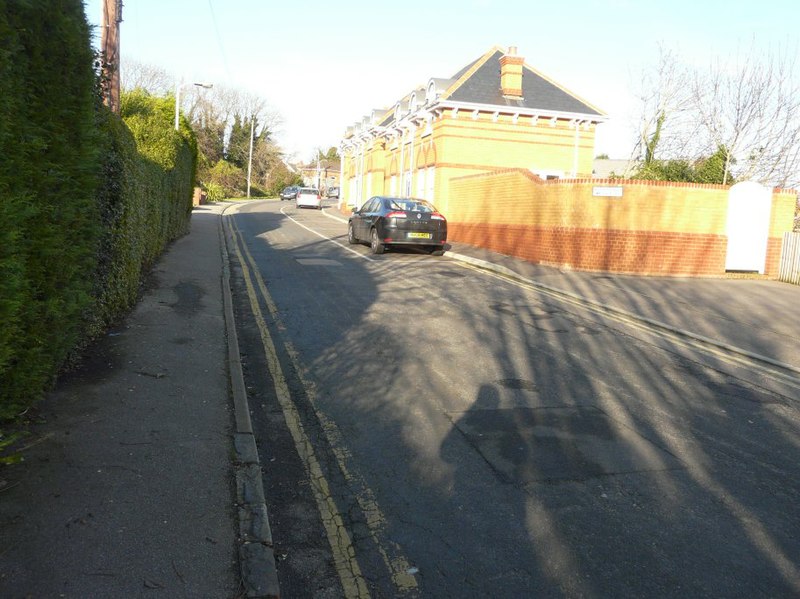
column 430, row 181
column 420, row 183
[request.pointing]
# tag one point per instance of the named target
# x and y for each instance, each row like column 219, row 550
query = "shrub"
column 231, row 178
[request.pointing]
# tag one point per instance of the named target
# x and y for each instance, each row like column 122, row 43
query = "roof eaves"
column 523, row 110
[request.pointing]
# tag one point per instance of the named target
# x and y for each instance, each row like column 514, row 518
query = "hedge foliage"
column 86, row 202
column 145, row 198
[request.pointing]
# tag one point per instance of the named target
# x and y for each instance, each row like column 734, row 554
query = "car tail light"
column 397, row 214
column 437, row 216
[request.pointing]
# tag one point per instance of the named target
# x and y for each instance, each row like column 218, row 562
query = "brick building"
column 495, row 113
column 507, row 155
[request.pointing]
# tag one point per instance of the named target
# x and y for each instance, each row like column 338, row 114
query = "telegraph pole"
column 109, row 44
column 250, row 159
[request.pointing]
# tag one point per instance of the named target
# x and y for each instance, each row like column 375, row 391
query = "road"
column 427, row 429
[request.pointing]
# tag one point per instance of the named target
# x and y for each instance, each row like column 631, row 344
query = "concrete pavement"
column 137, row 480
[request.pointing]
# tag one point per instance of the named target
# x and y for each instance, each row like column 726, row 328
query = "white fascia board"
column 495, row 108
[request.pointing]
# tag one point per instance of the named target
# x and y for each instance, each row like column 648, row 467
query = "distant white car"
column 308, row 197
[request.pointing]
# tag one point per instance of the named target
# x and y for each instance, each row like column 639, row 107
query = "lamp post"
column 178, row 98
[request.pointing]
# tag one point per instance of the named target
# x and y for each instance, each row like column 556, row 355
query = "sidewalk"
column 128, row 486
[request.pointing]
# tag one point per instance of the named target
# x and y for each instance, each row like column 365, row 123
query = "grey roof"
column 483, row 87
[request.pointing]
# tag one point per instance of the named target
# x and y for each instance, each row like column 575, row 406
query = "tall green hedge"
column 48, row 175
column 87, row 202
column 145, row 197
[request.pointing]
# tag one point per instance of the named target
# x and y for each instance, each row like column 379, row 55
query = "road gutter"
column 256, row 551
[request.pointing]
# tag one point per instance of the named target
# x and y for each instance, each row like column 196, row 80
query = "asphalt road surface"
column 429, row 430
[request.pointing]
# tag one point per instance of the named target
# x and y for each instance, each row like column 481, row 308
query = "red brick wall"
column 774, row 246
column 641, row 252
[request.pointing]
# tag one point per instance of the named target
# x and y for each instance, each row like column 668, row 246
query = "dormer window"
column 431, row 93
column 412, row 102
column 397, row 112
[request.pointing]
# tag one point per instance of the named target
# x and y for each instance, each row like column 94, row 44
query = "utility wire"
column 219, row 42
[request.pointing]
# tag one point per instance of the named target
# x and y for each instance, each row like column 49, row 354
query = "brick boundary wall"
column 630, row 252
column 656, row 228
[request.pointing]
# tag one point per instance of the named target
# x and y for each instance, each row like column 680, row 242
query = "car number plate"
column 420, row 235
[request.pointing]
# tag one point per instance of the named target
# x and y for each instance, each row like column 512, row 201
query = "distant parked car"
column 308, row 197
column 289, row 193
column 333, row 192
column 386, row 221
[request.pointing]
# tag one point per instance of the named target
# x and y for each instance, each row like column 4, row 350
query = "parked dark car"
column 333, row 192
column 386, row 221
column 289, row 193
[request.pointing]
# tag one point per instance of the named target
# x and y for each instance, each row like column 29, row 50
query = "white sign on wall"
column 606, row 191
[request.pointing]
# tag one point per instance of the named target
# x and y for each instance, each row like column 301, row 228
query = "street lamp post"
column 178, row 99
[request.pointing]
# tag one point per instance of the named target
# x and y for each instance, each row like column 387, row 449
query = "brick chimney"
column 511, row 73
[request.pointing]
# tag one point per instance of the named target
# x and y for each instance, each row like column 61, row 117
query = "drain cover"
column 539, row 444
column 318, row 262
column 517, row 384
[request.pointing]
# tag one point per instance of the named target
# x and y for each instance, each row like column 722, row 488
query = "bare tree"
column 747, row 110
column 665, row 102
column 153, row 79
column 752, row 109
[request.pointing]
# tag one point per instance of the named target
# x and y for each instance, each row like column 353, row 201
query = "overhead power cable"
column 219, row 42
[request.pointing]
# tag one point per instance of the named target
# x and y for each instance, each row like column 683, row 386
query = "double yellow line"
column 345, row 561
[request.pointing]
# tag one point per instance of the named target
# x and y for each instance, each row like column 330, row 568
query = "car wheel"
column 351, row 234
column 375, row 244
column 437, row 252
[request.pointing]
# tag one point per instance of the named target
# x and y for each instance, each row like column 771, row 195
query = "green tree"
column 715, row 168
column 708, row 169
column 332, row 155
column 229, row 177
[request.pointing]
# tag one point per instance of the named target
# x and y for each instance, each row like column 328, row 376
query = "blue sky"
column 323, row 65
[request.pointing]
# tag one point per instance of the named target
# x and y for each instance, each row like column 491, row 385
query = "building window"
column 352, row 197
column 393, row 185
column 421, row 183
column 430, row 96
column 430, row 179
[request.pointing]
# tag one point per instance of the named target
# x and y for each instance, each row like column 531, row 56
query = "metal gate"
column 749, row 209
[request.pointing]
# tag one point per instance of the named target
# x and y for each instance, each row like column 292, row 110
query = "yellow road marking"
column 397, row 564
column 341, row 545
